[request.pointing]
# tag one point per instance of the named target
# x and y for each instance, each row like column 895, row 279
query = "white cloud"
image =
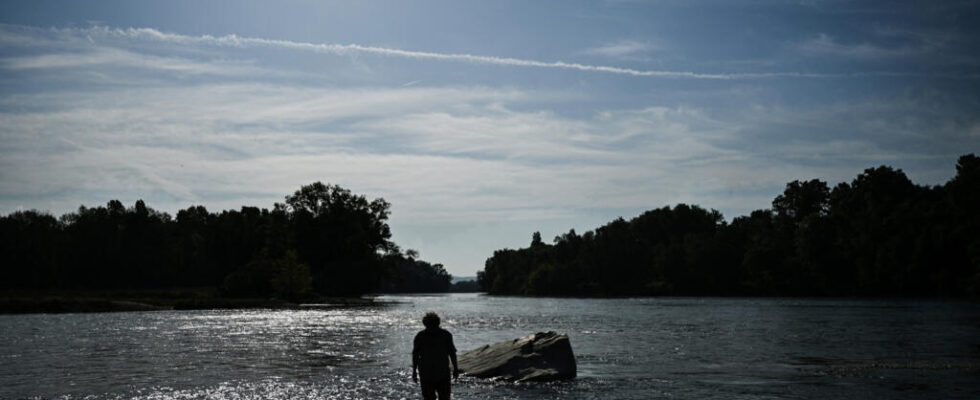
column 826, row 45
column 189, row 140
column 446, row 155
column 622, row 49
column 439, row 154
column 107, row 56
column 452, row 154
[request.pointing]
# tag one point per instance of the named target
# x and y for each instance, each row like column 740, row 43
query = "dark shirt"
column 431, row 351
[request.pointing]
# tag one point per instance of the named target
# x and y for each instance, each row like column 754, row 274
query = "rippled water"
column 687, row 348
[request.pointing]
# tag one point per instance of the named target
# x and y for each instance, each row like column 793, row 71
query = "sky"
column 481, row 122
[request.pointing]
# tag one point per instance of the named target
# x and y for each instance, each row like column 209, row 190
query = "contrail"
column 343, row 49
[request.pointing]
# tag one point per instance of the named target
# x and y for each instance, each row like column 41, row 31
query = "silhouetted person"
column 432, row 351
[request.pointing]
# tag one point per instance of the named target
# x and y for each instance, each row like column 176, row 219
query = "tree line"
column 323, row 240
column 879, row 235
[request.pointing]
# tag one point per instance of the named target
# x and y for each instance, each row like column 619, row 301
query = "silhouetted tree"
column 465, row 287
column 802, row 199
column 323, row 240
column 29, row 244
column 341, row 236
column 878, row 235
column 410, row 275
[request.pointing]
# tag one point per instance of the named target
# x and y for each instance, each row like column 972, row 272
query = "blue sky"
column 481, row 122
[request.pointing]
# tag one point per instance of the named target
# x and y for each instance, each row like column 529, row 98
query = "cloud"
column 107, row 56
column 826, row 45
column 222, row 139
column 441, row 152
column 621, row 49
column 449, row 154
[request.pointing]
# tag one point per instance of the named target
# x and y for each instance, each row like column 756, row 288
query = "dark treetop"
column 324, row 240
column 879, row 235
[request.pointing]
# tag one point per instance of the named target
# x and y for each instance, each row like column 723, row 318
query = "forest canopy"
column 323, row 240
column 878, row 235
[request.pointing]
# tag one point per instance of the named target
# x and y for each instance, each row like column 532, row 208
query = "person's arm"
column 452, row 356
column 415, row 359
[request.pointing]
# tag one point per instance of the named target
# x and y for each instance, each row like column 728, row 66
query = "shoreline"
column 159, row 300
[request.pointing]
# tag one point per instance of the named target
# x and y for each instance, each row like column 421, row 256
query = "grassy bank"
column 76, row 301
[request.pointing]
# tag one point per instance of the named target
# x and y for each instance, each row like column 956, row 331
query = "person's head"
column 430, row 320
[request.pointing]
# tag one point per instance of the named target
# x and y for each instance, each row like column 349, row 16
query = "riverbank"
column 156, row 300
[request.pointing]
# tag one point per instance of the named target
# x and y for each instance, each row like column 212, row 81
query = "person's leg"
column 428, row 390
column 444, row 389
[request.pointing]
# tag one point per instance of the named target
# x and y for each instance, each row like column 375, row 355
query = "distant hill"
column 462, row 279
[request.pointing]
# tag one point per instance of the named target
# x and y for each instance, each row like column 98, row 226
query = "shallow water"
column 687, row 348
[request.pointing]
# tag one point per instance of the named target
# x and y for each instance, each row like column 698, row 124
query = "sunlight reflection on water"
column 626, row 348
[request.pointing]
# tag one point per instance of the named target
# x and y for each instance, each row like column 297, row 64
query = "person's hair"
column 430, row 320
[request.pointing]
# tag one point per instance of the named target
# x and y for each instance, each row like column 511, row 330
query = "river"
column 633, row 348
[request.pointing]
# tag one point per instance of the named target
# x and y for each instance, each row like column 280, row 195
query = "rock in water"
column 543, row 356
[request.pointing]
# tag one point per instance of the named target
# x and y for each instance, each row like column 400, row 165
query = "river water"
column 643, row 348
